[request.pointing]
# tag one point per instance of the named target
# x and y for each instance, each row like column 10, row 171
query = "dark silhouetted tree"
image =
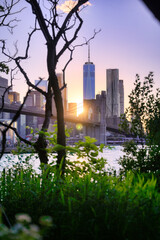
column 55, row 31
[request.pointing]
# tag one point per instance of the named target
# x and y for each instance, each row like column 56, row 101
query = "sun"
column 79, row 107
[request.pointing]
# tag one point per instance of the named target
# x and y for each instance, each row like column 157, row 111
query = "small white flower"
column 23, row 218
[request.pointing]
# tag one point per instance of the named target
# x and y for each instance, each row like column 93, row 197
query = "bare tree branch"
column 9, row 126
column 68, row 17
column 19, row 58
column 7, row 10
column 41, row 20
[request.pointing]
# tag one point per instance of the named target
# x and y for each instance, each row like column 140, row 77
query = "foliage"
column 85, row 207
column 87, row 158
column 140, row 159
column 85, row 153
column 4, row 68
column 142, row 120
column 1, row 8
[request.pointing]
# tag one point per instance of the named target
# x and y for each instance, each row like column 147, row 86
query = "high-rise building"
column 113, row 96
column 4, row 86
column 88, row 79
column 4, row 97
column 64, row 96
column 35, row 99
column 43, row 84
column 12, row 98
column 121, row 93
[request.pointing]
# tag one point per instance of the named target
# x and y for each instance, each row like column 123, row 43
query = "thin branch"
column 41, row 20
column 9, row 126
column 68, row 43
column 3, row 132
column 7, row 11
column 68, row 17
column 19, row 58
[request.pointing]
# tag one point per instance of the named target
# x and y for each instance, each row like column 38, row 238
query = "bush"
column 142, row 119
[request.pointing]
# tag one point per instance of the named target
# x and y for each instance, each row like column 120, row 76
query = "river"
column 112, row 155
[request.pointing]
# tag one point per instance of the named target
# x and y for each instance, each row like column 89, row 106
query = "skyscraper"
column 3, row 87
column 43, row 84
column 88, row 79
column 64, row 96
column 121, row 93
column 113, row 96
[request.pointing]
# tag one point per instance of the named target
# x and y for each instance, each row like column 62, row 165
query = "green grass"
column 86, row 207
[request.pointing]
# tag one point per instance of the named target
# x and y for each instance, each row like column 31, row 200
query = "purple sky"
column 129, row 40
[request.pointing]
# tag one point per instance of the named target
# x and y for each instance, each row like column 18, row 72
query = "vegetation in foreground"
column 86, row 207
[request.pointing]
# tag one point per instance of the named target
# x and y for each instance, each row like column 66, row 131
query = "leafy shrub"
column 142, row 119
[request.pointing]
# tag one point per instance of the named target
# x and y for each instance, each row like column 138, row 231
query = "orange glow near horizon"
column 79, row 107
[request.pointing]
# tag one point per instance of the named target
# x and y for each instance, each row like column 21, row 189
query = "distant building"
column 14, row 97
column 121, row 93
column 113, row 96
column 64, row 96
column 4, row 96
column 88, row 79
column 43, row 84
column 35, row 99
column 72, row 109
column 3, row 87
column 101, row 102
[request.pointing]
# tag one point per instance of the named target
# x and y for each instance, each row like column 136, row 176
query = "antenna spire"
column 88, row 52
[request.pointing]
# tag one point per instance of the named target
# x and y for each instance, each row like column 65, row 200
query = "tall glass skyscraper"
column 89, row 79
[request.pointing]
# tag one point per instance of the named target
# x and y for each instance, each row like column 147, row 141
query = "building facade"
column 43, row 84
column 4, row 86
column 35, row 99
column 14, row 97
column 121, row 94
column 64, row 96
column 113, row 96
column 72, row 109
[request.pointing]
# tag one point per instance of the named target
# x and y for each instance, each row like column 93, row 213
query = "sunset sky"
column 129, row 40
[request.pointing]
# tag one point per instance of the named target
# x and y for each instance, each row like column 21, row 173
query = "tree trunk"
column 61, row 138
column 53, row 84
column 41, row 144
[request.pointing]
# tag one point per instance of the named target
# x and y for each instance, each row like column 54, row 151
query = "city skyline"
column 129, row 41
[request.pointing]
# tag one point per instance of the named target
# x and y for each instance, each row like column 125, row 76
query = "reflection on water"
column 112, row 155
